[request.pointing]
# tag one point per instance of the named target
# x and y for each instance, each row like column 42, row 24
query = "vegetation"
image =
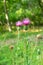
column 21, row 53
column 14, row 10
column 21, row 32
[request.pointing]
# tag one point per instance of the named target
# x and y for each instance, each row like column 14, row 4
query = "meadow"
column 28, row 50
column 21, row 32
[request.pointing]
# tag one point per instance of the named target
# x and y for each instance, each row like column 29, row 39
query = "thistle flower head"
column 26, row 21
column 19, row 23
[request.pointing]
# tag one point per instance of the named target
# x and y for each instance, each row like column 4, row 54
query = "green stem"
column 25, row 29
column 26, row 45
column 26, row 53
column 18, row 33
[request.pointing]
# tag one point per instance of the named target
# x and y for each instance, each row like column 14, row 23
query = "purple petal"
column 19, row 23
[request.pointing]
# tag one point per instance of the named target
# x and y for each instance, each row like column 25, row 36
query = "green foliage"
column 19, row 9
column 22, row 51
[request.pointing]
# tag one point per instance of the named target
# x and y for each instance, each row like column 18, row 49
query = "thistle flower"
column 26, row 21
column 19, row 23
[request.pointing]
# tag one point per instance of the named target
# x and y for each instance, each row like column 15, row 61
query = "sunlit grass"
column 23, row 53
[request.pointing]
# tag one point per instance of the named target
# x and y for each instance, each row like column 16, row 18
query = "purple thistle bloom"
column 26, row 21
column 19, row 23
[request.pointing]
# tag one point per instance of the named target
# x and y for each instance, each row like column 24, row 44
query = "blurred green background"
column 20, row 9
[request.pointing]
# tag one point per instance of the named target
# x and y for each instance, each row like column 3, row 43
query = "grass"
column 28, row 51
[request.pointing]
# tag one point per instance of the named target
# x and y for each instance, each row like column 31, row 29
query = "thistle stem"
column 18, row 28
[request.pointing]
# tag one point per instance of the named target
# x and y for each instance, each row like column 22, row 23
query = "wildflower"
column 19, row 23
column 26, row 21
